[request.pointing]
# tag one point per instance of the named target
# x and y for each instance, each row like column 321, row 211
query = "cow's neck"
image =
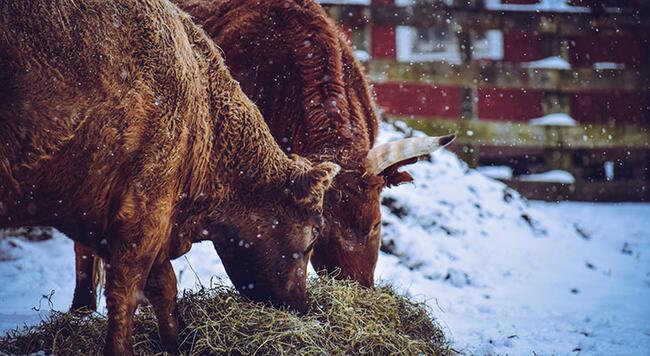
column 241, row 148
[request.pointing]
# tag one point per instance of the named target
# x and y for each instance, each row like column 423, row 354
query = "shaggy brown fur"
column 121, row 127
column 300, row 71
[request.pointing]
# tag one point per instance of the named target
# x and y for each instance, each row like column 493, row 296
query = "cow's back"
column 295, row 65
column 99, row 93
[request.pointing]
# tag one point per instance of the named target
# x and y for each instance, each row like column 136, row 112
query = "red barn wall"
column 382, row 42
column 419, row 100
column 601, row 107
column 509, row 104
column 521, row 46
column 517, row 104
column 623, row 48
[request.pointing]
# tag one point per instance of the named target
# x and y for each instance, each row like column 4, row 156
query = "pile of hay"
column 343, row 319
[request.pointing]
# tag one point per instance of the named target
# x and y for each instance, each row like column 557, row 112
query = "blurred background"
column 549, row 96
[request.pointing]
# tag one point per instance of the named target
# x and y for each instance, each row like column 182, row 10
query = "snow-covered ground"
column 502, row 275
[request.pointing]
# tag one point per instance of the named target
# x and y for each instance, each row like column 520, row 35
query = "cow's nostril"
column 367, row 282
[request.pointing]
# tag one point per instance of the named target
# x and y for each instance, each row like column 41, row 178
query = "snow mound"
column 496, row 172
column 512, row 277
column 552, row 176
column 429, row 223
column 549, row 63
column 608, row 66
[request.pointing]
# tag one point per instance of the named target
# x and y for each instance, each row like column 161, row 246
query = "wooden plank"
column 506, row 75
column 429, row 15
column 418, row 99
column 383, row 42
column 515, row 105
column 616, row 191
column 490, row 133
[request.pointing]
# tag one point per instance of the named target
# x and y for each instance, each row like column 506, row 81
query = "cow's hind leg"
column 161, row 291
column 85, row 300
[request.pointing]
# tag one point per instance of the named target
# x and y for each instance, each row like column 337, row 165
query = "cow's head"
column 352, row 234
column 266, row 241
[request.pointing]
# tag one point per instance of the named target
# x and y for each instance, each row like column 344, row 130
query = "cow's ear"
column 308, row 188
column 393, row 177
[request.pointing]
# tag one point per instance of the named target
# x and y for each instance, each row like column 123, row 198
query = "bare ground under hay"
column 343, row 319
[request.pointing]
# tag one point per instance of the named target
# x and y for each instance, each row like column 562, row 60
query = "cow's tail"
column 99, row 275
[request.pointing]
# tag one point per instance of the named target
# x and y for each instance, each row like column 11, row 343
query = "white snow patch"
column 32, row 271
column 490, row 47
column 496, row 172
column 361, row 55
column 542, row 6
column 552, row 176
column 608, row 66
column 412, row 2
column 554, row 119
column 405, row 37
column 549, row 63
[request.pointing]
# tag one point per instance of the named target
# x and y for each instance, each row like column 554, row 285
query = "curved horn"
column 387, row 154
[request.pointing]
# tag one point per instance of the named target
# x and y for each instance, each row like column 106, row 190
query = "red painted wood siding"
column 602, row 107
column 521, row 46
column 382, row 42
column 419, row 100
column 509, row 104
column 587, row 50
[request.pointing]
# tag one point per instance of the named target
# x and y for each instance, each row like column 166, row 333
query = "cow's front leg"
column 161, row 292
column 125, row 277
column 85, row 299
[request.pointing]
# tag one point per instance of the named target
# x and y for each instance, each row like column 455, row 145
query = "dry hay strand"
column 343, row 319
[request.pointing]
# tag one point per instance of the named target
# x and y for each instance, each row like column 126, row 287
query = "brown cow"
column 292, row 61
column 301, row 72
column 121, row 126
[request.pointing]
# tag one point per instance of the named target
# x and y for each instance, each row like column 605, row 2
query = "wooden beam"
column 429, row 15
column 510, row 134
column 616, row 191
column 506, row 75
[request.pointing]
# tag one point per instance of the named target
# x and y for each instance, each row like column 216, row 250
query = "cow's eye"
column 375, row 227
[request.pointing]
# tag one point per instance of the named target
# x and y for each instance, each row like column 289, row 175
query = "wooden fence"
column 490, row 102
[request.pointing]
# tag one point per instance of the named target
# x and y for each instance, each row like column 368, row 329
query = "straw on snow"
column 343, row 319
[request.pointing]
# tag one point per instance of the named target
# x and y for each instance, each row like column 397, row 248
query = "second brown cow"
column 292, row 61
